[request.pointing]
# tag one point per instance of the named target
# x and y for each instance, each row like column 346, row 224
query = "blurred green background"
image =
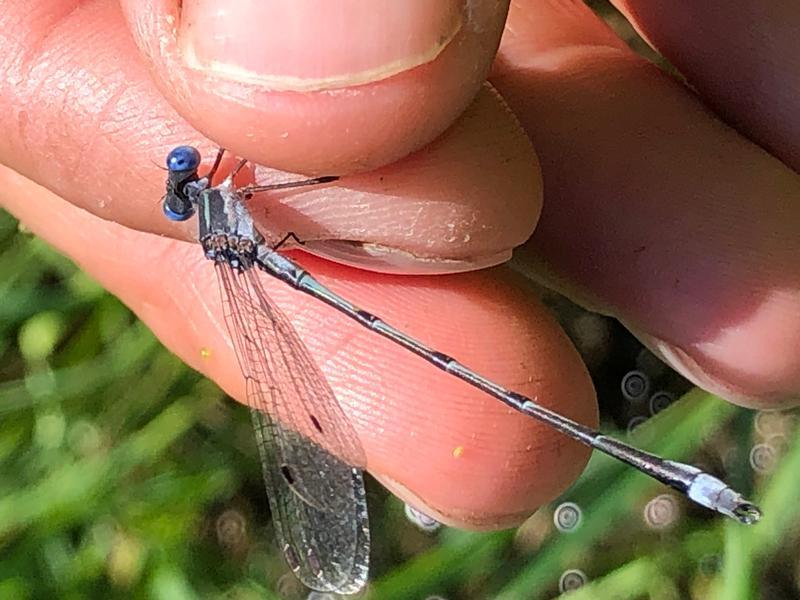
column 124, row 474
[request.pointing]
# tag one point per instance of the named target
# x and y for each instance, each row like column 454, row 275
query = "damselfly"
column 310, row 453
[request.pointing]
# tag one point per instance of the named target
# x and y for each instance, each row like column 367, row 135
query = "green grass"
column 121, row 470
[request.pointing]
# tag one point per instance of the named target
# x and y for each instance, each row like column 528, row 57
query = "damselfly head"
column 182, row 165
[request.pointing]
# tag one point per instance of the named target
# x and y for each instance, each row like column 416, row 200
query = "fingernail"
column 474, row 520
column 306, row 45
column 757, row 389
column 386, row 259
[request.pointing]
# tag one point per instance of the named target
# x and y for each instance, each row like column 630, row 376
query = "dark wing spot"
column 287, row 474
column 316, row 423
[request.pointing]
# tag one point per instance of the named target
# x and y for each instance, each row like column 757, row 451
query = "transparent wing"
column 309, row 450
column 327, row 550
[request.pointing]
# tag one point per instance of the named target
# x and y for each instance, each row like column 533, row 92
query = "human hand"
column 83, row 118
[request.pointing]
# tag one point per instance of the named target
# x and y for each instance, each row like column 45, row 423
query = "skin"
column 677, row 213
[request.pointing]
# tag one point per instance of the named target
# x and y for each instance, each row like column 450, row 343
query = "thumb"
column 316, row 87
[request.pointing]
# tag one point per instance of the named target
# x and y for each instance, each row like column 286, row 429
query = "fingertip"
column 455, row 452
column 752, row 364
column 328, row 94
column 663, row 228
column 464, row 201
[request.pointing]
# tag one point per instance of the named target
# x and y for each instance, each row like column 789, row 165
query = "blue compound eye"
column 183, row 158
column 177, row 209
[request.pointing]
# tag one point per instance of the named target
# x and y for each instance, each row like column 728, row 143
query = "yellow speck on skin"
column 458, row 451
column 205, row 352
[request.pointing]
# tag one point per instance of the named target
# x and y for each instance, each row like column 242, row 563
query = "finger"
column 457, row 453
column 744, row 61
column 656, row 212
column 91, row 127
column 318, row 87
